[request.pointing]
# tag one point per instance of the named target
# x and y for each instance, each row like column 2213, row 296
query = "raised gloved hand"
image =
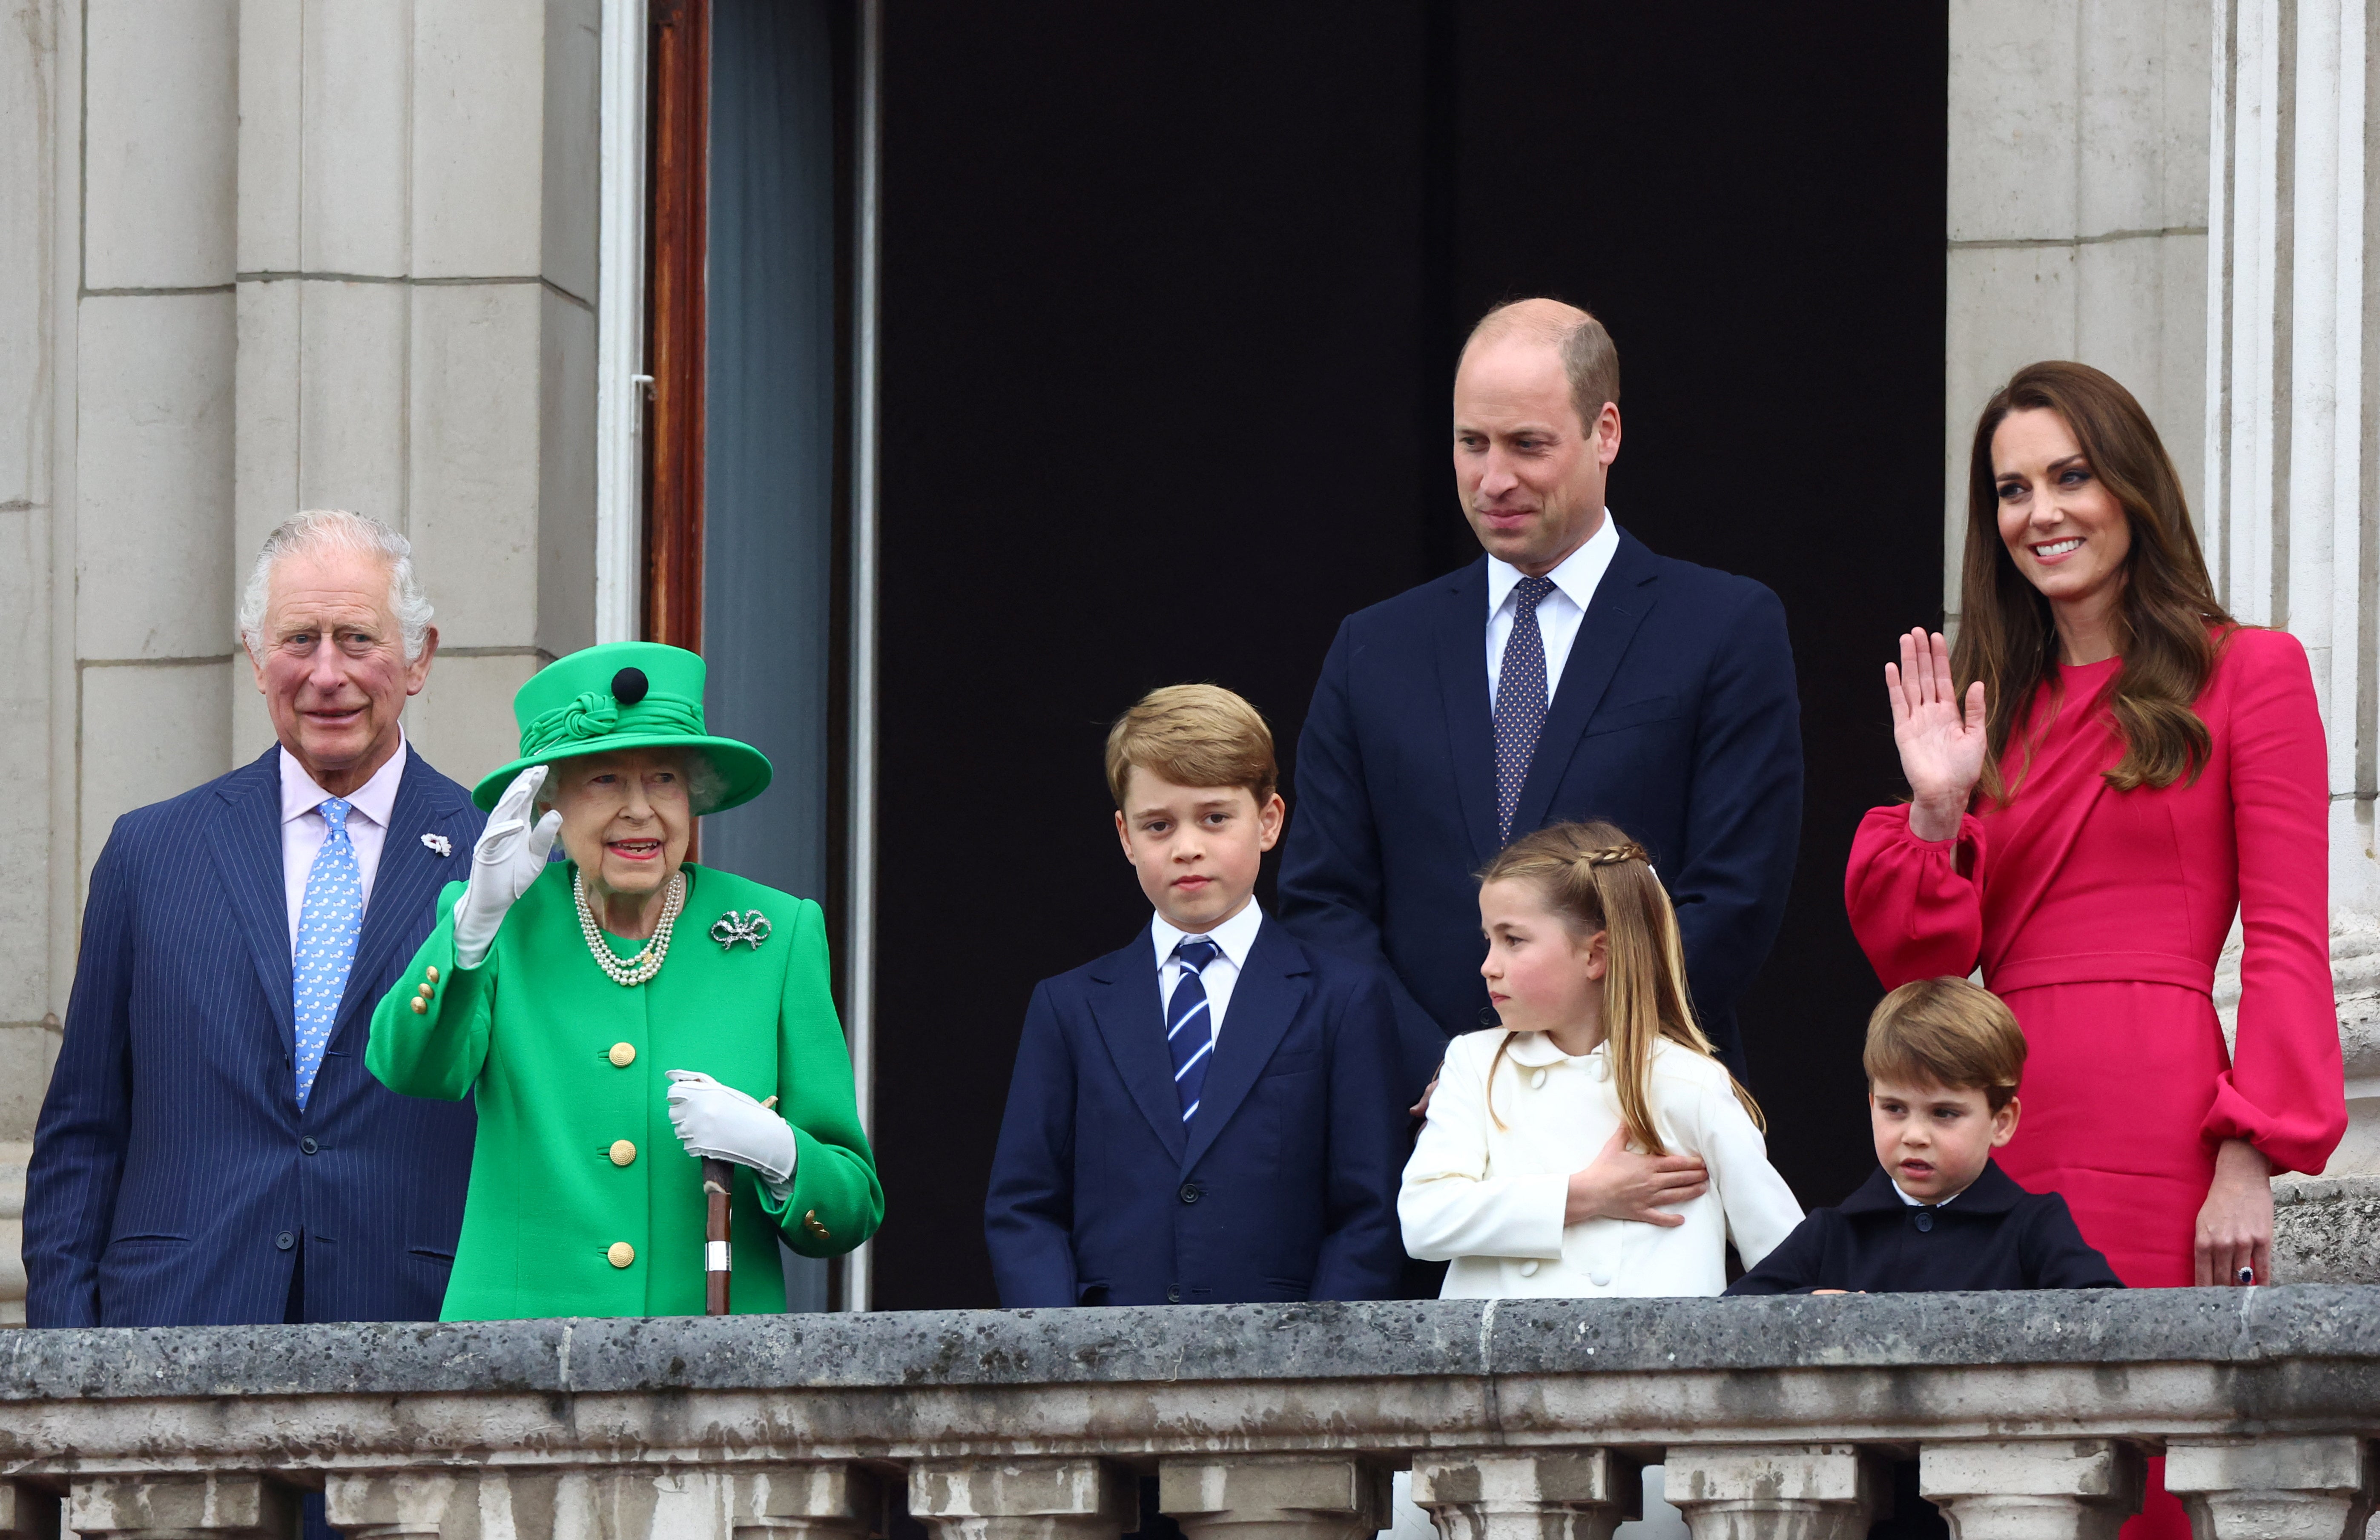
column 720, row 1123
column 509, row 856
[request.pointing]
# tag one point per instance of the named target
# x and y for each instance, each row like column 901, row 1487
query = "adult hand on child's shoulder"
column 1622, row 1184
column 1421, row 1107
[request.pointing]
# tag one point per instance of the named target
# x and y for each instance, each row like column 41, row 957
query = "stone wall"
column 2028, row 1415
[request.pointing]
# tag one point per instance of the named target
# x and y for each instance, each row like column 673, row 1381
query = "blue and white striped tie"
column 1189, row 1031
column 328, row 919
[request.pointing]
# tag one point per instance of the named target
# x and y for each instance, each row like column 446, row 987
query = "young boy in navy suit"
column 1214, row 1113
column 1944, row 1058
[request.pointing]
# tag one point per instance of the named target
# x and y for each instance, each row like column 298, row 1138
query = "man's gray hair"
column 338, row 530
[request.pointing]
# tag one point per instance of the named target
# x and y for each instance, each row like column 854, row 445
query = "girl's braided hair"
column 1595, row 877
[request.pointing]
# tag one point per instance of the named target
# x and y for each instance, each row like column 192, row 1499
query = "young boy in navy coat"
column 1943, row 1061
column 1212, row 1114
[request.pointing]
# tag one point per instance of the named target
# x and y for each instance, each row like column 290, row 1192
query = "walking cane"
column 718, row 1189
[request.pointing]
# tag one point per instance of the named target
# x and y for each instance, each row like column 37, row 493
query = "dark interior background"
column 1171, row 300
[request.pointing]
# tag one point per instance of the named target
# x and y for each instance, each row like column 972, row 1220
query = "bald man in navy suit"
column 1570, row 672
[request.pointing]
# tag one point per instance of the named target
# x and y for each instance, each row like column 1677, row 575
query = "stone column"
column 1778, row 1491
column 2319, row 1488
column 27, row 1514
column 168, row 1507
column 416, row 255
column 1529, row 1494
column 2033, row 1490
column 805, row 1502
column 404, row 1505
column 1023, row 1499
column 1274, row 1498
column 2292, row 473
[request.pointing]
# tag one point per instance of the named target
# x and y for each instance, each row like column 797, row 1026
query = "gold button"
column 623, row 1054
column 810, row 1223
column 423, row 991
column 431, row 973
column 621, row 1254
column 623, row 1153
column 421, row 1006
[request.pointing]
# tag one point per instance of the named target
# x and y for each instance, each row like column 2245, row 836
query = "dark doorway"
column 1171, row 297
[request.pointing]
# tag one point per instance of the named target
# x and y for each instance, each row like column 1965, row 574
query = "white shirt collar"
column 1577, row 576
column 1236, row 936
column 375, row 799
column 1920, row 1203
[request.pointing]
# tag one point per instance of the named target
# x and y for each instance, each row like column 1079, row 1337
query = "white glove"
column 720, row 1123
column 509, row 856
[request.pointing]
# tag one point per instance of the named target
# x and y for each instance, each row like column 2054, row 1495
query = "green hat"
column 623, row 695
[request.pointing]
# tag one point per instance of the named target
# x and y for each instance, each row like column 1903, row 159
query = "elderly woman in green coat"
column 621, row 1013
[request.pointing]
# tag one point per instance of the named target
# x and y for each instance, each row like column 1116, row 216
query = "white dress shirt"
column 303, row 827
column 1235, row 936
column 1489, row 1194
column 1558, row 614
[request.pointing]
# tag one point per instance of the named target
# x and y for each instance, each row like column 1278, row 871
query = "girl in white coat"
column 1592, row 1145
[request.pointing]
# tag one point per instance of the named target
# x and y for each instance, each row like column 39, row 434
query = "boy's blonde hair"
column 1598, row 878
column 1193, row 736
column 1949, row 1032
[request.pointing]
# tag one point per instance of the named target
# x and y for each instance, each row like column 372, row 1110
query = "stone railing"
column 2027, row 1416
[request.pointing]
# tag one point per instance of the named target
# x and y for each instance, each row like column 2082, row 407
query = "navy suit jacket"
column 1675, row 718
column 1283, row 1188
column 1994, row 1235
column 171, row 1158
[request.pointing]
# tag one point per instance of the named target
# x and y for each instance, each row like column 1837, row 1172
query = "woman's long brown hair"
column 2163, row 613
column 1597, row 878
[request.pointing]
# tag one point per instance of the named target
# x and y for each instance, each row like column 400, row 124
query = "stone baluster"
column 233, row 1506
column 26, row 1512
column 404, row 1505
column 808, row 1502
column 1530, row 1494
column 1023, row 1499
column 1274, row 1498
column 2314, row 1488
column 2033, row 1488
column 1778, row 1491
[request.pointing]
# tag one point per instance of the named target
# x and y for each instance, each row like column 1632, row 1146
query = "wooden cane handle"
column 718, row 1188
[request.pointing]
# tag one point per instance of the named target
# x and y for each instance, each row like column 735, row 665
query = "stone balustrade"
column 2028, row 1417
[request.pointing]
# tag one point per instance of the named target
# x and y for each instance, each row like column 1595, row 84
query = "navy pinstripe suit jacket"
column 171, row 1157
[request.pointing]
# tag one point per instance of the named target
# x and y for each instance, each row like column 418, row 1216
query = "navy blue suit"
column 1284, row 1187
column 171, row 1158
column 1675, row 718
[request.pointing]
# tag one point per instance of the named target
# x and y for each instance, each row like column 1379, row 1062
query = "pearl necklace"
column 640, row 968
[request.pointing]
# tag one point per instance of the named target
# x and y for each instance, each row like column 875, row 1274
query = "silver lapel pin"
column 731, row 927
column 438, row 844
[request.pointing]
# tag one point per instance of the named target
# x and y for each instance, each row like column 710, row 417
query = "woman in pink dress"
column 2106, row 770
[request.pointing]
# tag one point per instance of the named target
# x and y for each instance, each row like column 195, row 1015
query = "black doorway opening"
column 1171, row 302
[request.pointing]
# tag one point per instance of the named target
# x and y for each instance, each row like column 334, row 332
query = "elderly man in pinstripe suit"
column 212, row 1149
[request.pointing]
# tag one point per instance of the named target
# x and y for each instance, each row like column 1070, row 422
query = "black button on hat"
column 628, row 687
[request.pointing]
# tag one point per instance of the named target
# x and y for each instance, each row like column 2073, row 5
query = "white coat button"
column 1536, row 1080
column 1528, row 1270
column 1601, row 1280
column 1600, row 1069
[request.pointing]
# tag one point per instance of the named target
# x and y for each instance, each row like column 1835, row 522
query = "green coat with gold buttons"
column 582, row 1202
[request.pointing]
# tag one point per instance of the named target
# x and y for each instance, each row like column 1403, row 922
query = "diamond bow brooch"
column 731, row 927
column 438, row 844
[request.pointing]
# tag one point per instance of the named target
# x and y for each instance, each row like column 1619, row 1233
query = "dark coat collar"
column 1994, row 1192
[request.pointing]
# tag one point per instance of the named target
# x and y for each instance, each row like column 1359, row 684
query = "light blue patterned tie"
column 327, row 924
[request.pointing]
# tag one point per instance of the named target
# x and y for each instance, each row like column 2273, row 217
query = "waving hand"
column 1941, row 739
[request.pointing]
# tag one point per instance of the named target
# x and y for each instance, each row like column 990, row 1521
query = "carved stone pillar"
column 404, row 1505
column 1273, row 1497
column 2033, row 1490
column 2318, row 1488
column 1778, row 1491
column 26, row 1512
column 172, row 1507
column 1528, row 1495
column 810, row 1502
column 1023, row 1499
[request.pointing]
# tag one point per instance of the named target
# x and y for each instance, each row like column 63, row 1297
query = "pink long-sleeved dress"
column 2097, row 914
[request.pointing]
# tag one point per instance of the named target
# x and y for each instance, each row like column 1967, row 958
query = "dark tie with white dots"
column 1520, row 701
